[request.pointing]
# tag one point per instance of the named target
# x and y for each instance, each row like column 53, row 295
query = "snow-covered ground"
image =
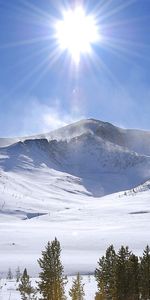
column 8, row 288
column 52, row 189
column 84, row 227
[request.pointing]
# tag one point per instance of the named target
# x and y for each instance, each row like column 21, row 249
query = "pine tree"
column 9, row 274
column 77, row 290
column 100, row 274
column 145, row 274
column 52, row 281
column 26, row 290
column 110, row 266
column 105, row 275
column 101, row 295
column 133, row 275
column 18, row 274
column 122, row 274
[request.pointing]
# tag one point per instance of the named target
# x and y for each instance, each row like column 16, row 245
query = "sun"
column 76, row 32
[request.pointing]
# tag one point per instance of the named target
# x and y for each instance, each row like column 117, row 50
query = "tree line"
column 123, row 275
column 119, row 276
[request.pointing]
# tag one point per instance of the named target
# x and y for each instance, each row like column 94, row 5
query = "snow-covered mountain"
column 133, row 139
column 104, row 158
column 50, row 185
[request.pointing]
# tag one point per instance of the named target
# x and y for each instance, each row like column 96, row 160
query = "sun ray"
column 31, row 16
column 22, row 11
column 44, row 69
column 100, row 7
column 123, row 46
column 33, row 55
column 117, row 24
column 116, row 10
column 48, row 61
column 35, row 9
column 97, row 62
column 124, row 42
column 121, row 55
column 118, row 54
column 27, row 42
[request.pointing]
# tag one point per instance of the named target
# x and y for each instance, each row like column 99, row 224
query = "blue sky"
column 40, row 91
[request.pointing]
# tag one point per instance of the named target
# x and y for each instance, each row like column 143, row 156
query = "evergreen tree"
column 26, row 290
column 77, row 290
column 110, row 263
column 100, row 275
column 18, row 274
column 101, row 295
column 105, row 275
column 145, row 274
column 52, row 281
column 101, row 278
column 9, row 274
column 122, row 274
column 133, row 275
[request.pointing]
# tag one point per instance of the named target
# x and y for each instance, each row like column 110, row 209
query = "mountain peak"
column 84, row 126
column 131, row 139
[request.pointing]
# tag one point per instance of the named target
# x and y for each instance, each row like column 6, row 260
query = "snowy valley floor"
column 84, row 230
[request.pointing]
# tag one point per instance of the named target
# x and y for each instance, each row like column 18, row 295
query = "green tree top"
column 52, row 280
column 77, row 290
column 26, row 290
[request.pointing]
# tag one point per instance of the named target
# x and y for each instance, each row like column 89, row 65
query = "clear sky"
column 41, row 88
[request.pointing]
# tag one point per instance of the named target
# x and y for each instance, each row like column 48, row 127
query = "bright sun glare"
column 77, row 32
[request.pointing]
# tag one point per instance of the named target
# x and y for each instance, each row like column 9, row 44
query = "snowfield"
column 8, row 288
column 85, row 229
column 86, row 184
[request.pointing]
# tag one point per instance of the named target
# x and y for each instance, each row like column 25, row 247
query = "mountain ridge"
column 135, row 139
column 98, row 153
